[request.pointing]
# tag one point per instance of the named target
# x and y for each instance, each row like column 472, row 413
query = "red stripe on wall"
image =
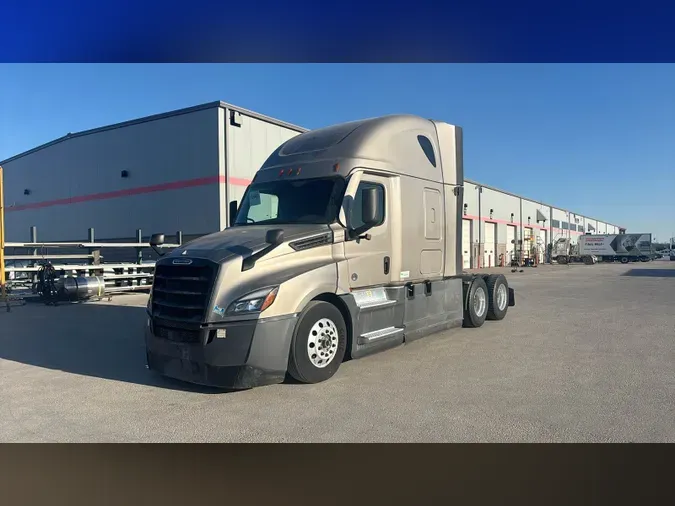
column 493, row 220
column 236, row 181
column 141, row 190
column 518, row 224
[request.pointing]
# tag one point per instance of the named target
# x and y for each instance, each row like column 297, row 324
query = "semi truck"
column 622, row 248
column 347, row 242
column 564, row 251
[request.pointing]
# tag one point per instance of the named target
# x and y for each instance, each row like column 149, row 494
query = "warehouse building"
column 177, row 172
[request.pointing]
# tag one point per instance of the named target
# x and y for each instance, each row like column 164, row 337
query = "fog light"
column 221, row 333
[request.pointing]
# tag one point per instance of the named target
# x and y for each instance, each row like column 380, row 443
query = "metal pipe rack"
column 119, row 277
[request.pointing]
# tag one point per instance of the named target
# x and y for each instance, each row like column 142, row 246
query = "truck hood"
column 241, row 241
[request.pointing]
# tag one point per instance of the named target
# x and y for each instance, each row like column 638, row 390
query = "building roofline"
column 537, row 202
column 155, row 117
column 247, row 112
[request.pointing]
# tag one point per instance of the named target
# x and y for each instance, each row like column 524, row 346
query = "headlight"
column 254, row 302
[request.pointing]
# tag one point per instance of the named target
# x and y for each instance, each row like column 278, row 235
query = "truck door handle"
column 386, row 265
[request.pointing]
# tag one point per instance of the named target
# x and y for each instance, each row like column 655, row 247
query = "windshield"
column 292, row 201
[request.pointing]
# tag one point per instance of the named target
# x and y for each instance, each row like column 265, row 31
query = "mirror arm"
column 157, row 250
column 358, row 233
column 249, row 262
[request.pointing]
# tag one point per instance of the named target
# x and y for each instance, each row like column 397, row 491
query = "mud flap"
column 512, row 297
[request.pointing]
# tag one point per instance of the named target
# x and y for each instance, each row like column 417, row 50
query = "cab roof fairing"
column 388, row 142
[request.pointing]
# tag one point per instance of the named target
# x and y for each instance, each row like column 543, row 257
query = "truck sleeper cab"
column 347, row 242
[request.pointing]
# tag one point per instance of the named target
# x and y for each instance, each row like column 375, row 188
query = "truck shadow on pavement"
column 101, row 340
column 650, row 273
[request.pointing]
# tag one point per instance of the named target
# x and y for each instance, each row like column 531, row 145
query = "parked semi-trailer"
column 622, row 248
column 347, row 242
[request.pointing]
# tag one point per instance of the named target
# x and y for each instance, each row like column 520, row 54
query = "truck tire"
column 476, row 303
column 588, row 260
column 624, row 260
column 498, row 296
column 319, row 343
column 562, row 260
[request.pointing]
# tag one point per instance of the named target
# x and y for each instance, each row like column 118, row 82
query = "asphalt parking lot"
column 587, row 355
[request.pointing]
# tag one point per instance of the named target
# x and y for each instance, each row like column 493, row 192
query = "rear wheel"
column 498, row 293
column 319, row 343
column 476, row 303
column 624, row 260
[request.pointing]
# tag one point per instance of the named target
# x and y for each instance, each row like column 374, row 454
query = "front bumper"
column 252, row 353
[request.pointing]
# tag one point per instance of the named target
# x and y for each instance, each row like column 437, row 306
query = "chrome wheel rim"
column 479, row 302
column 322, row 343
column 501, row 297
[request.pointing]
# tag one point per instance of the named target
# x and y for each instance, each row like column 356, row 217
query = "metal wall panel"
column 249, row 142
column 76, row 183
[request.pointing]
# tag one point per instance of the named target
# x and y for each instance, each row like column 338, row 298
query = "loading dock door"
column 466, row 244
column 542, row 243
column 510, row 246
column 490, row 246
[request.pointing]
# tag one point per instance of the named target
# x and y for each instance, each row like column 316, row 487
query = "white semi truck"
column 347, row 242
column 564, row 251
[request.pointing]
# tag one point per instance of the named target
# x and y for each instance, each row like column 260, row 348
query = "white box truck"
column 622, row 248
column 347, row 242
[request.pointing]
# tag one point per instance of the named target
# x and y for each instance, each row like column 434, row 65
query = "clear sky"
column 597, row 139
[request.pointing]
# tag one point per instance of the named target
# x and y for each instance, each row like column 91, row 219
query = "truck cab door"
column 369, row 260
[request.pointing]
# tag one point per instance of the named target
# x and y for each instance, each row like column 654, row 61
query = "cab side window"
column 356, row 209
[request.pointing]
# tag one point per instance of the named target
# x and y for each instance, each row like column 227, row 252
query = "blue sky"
column 598, row 139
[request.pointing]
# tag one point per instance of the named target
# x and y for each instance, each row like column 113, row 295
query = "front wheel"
column 319, row 343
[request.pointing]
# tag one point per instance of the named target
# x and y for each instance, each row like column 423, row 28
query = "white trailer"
column 617, row 247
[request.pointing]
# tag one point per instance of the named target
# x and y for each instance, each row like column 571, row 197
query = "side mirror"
column 369, row 207
column 274, row 237
column 156, row 240
column 233, row 212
